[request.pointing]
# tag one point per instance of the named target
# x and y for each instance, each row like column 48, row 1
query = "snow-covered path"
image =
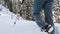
column 21, row 27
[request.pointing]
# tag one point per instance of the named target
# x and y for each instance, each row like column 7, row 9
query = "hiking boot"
column 47, row 28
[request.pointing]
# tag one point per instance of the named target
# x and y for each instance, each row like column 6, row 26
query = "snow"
column 22, row 26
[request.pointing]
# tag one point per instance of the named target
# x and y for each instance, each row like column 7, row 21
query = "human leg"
column 38, row 4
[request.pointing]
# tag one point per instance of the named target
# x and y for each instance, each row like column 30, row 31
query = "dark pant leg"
column 48, row 13
column 48, row 6
column 36, row 13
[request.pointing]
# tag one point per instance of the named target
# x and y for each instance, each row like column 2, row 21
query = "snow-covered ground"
column 22, row 26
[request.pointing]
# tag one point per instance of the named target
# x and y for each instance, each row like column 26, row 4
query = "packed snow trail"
column 21, row 27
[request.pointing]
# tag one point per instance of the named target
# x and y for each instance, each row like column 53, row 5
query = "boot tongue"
column 49, row 26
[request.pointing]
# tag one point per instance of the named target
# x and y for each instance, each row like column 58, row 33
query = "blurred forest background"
column 25, row 10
